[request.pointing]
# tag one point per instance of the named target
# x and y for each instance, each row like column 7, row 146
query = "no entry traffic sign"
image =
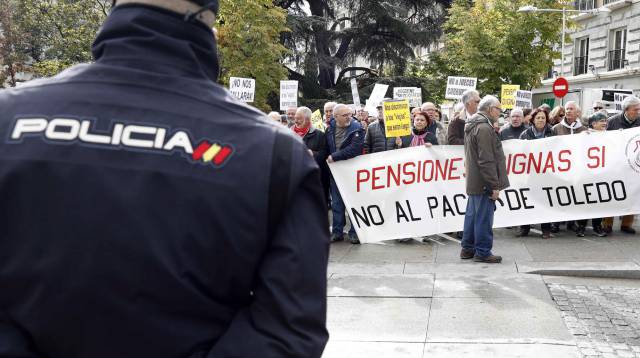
column 560, row 87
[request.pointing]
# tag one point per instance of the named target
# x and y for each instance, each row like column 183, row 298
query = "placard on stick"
column 397, row 118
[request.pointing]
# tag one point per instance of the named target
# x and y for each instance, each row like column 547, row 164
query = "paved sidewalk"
column 420, row 300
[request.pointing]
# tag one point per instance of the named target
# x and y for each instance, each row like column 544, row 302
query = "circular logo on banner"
column 633, row 153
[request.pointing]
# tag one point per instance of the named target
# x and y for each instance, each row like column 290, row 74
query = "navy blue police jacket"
column 134, row 194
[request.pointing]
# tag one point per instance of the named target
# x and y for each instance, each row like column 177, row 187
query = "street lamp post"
column 564, row 11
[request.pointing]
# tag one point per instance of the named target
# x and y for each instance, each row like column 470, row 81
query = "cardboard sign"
column 377, row 95
column 355, row 94
column 316, row 120
column 524, row 99
column 508, row 96
column 618, row 98
column 288, row 94
column 244, row 89
column 397, row 118
column 456, row 86
column 413, row 94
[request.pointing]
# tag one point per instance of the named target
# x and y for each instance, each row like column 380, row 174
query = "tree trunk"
column 326, row 65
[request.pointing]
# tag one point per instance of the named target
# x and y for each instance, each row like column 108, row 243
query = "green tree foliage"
column 490, row 40
column 12, row 45
column 249, row 41
column 335, row 33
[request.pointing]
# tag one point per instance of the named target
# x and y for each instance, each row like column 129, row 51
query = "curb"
column 624, row 270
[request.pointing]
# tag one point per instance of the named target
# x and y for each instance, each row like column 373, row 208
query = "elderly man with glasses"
column 345, row 141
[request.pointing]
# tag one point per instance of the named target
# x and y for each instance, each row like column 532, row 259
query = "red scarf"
column 301, row 131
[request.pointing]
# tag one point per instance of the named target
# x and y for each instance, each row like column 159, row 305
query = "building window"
column 617, row 51
column 585, row 4
column 607, row 2
column 581, row 61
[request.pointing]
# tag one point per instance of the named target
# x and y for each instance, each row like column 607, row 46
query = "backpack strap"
column 280, row 178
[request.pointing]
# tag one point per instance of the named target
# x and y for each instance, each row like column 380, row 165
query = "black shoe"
column 599, row 231
column 353, row 239
column 580, row 231
column 491, row 259
column 555, row 228
column 337, row 237
column 522, row 232
column 628, row 230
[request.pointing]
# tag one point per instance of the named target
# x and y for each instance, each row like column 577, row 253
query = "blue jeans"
column 478, row 225
column 338, row 210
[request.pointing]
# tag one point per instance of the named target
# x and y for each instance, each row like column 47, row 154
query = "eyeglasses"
column 598, row 108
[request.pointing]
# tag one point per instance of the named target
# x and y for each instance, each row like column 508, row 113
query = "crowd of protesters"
column 352, row 133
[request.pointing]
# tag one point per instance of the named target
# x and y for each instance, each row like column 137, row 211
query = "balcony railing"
column 580, row 65
column 584, row 4
column 616, row 59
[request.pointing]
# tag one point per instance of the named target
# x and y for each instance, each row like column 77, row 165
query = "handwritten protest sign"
column 413, row 94
column 288, row 94
column 524, row 99
column 244, row 89
column 456, row 86
column 397, row 118
column 508, row 96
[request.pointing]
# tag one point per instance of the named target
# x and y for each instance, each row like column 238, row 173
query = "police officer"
column 146, row 213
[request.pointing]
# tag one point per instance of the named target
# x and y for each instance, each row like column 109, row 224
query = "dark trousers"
column 478, row 225
column 595, row 222
column 338, row 211
column 546, row 227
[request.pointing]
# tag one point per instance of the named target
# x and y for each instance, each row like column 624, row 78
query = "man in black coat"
column 144, row 212
column 316, row 142
column 515, row 127
column 628, row 118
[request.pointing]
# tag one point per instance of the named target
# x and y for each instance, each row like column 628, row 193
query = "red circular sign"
column 561, row 87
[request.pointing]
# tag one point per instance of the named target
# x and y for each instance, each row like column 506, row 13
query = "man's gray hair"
column 306, row 112
column 330, row 104
column 459, row 107
column 340, row 106
column 629, row 101
column 468, row 95
column 487, row 102
column 516, row 110
column 575, row 104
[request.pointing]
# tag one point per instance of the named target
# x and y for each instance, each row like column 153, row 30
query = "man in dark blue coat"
column 345, row 139
column 146, row 213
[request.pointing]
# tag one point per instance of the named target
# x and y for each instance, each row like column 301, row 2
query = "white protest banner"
column 377, row 95
column 524, row 99
column 355, row 94
column 244, row 89
column 618, row 98
column 457, row 85
column 420, row 191
column 288, row 94
column 413, row 94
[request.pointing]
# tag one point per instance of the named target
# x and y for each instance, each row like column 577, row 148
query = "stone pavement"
column 420, row 300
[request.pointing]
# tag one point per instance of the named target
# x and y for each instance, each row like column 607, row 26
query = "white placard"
column 377, row 95
column 457, row 85
column 524, row 99
column 244, row 89
column 413, row 94
column 288, row 94
column 618, row 98
column 421, row 191
column 355, row 94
